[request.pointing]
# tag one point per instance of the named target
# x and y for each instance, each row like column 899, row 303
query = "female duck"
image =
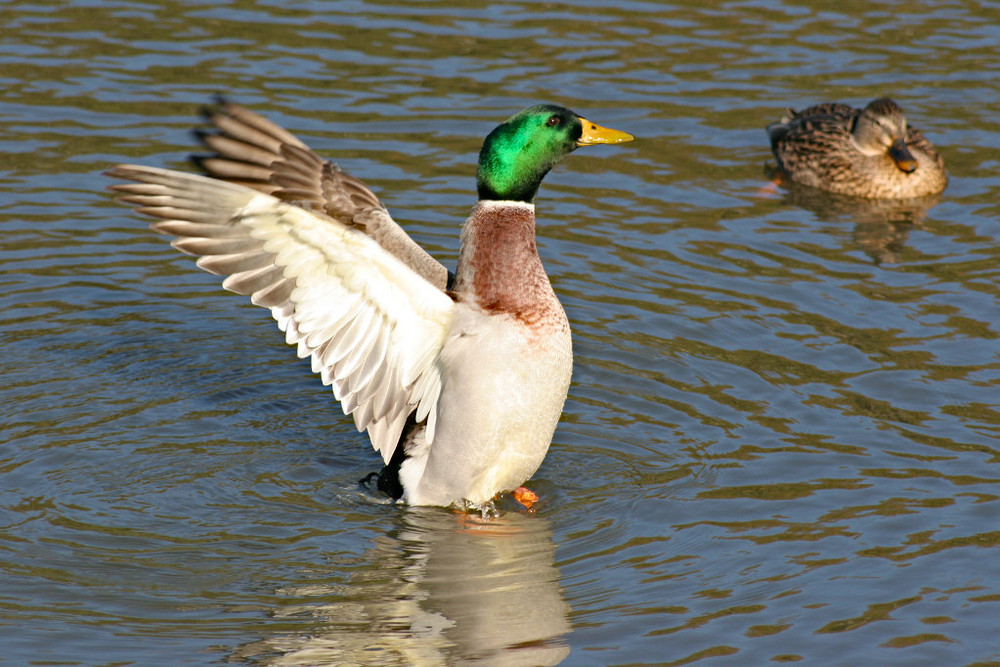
column 460, row 380
column 866, row 152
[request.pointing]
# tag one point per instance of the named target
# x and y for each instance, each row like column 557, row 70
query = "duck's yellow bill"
column 595, row 134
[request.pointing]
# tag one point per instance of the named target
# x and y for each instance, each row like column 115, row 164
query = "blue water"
column 780, row 442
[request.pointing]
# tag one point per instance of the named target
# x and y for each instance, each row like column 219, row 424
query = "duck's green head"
column 516, row 155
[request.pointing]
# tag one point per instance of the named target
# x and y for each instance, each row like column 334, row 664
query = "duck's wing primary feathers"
column 373, row 328
column 254, row 152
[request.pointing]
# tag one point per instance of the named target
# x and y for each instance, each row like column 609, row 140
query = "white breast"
column 503, row 389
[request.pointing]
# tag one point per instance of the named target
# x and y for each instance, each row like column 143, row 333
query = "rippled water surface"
column 781, row 440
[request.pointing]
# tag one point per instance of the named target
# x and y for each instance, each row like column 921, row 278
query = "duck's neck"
column 499, row 269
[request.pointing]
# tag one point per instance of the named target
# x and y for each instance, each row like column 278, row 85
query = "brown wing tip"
column 125, row 172
column 199, row 159
column 220, row 104
column 117, row 171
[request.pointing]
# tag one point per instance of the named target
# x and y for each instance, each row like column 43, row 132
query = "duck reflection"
column 441, row 589
column 881, row 226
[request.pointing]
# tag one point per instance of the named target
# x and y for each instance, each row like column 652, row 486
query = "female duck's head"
column 517, row 154
column 881, row 130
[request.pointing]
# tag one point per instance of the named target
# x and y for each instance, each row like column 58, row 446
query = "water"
column 780, row 442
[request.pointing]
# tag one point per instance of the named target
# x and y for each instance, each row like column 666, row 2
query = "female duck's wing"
column 824, row 109
column 252, row 151
column 373, row 327
column 813, row 124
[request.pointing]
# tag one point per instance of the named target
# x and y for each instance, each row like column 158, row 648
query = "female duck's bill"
column 902, row 156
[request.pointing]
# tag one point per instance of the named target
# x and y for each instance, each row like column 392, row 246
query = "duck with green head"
column 459, row 379
column 869, row 152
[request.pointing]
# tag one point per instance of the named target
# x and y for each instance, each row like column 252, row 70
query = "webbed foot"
column 526, row 497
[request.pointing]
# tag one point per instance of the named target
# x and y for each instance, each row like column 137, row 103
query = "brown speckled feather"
column 816, row 147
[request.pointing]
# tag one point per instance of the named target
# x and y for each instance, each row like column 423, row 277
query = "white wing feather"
column 373, row 327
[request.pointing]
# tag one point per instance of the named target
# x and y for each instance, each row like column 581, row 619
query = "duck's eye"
column 553, row 121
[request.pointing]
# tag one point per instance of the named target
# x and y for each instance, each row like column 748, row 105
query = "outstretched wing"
column 252, row 151
column 373, row 327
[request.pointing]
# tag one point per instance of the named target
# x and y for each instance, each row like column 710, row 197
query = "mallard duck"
column 458, row 380
column 866, row 152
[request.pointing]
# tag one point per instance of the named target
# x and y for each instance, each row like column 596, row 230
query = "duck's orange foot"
column 769, row 190
column 526, row 497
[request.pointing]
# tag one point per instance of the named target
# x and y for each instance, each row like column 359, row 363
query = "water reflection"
column 881, row 226
column 442, row 588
